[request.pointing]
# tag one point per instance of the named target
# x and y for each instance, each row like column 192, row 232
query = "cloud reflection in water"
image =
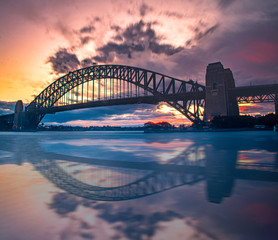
column 248, row 206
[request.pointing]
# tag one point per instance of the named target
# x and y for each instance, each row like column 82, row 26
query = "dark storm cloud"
column 63, row 61
column 118, row 38
column 139, row 31
column 122, row 48
column 164, row 48
column 137, row 37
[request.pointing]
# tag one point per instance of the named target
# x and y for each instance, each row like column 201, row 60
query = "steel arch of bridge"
column 156, row 177
column 154, row 182
column 185, row 96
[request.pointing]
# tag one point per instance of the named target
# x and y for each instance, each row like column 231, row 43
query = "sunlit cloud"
column 256, row 109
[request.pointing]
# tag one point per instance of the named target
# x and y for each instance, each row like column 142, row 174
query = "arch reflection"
column 218, row 164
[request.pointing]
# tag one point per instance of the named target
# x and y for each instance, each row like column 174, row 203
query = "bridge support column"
column 276, row 103
column 218, row 102
column 18, row 116
column 24, row 120
column 30, row 121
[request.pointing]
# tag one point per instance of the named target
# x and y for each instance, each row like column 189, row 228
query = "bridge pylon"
column 276, row 103
column 18, row 116
column 217, row 100
column 24, row 120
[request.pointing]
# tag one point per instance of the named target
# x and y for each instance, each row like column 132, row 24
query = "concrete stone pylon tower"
column 218, row 102
column 18, row 116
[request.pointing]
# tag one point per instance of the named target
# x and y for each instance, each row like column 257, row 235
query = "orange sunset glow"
column 41, row 41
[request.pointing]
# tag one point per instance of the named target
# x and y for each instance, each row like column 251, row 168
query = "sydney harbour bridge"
column 108, row 85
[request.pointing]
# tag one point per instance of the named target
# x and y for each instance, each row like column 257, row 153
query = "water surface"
column 131, row 185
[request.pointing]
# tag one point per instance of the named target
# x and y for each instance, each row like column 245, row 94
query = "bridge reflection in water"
column 218, row 163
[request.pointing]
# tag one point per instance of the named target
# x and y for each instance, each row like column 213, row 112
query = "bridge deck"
column 254, row 90
column 122, row 101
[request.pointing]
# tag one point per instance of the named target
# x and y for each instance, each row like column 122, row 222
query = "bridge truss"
column 262, row 98
column 256, row 94
column 104, row 85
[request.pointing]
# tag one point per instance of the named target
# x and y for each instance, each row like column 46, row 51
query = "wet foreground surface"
column 131, row 185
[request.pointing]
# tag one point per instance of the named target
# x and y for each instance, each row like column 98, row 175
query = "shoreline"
column 158, row 130
column 210, row 130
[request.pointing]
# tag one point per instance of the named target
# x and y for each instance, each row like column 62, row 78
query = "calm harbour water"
column 131, row 185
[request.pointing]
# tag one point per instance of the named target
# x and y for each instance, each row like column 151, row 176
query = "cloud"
column 252, row 109
column 118, row 49
column 139, row 32
column 85, row 40
column 87, row 29
column 63, row 61
column 189, row 64
column 225, row 3
column 174, row 14
column 87, row 235
column 123, row 221
column 136, row 37
column 202, row 34
column 200, row 31
column 86, row 62
column 244, row 40
column 251, row 51
column 133, row 38
column 136, row 225
column 66, row 31
column 126, row 115
column 144, row 9
column 7, row 107
column 64, row 203
column 29, row 10
column 138, row 111
column 164, row 48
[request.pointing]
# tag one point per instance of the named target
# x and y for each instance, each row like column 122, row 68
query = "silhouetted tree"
column 268, row 120
column 159, row 125
column 233, row 122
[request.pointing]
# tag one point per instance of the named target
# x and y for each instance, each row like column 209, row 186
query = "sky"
column 43, row 40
